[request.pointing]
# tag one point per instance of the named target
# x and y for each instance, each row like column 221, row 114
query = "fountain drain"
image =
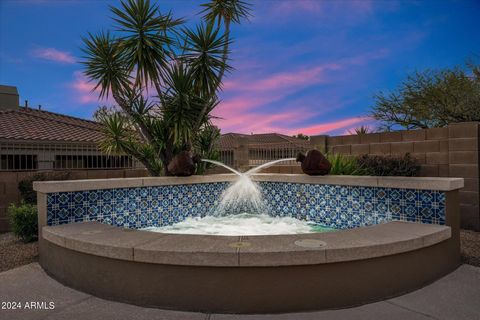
column 310, row 243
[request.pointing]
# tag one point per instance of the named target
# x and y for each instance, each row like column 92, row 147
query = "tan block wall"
column 452, row 151
column 9, row 185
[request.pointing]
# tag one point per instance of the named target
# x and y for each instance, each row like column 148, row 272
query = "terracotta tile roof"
column 229, row 140
column 33, row 124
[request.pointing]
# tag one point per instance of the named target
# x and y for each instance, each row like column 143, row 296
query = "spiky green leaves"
column 227, row 10
column 183, row 105
column 105, row 63
column 120, row 138
column 145, row 38
column 184, row 67
column 204, row 51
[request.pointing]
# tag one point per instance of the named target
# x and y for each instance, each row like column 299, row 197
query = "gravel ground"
column 15, row 253
column 470, row 247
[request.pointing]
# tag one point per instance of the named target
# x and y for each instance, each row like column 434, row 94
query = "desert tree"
column 431, row 98
column 164, row 78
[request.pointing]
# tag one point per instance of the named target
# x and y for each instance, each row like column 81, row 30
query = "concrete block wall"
column 9, row 192
column 451, row 151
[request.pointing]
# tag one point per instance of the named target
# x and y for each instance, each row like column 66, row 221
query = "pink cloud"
column 53, row 54
column 332, row 126
column 248, row 93
column 83, row 90
column 286, row 122
column 294, row 79
column 256, row 122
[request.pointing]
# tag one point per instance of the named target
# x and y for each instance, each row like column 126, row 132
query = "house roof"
column 33, row 124
column 229, row 140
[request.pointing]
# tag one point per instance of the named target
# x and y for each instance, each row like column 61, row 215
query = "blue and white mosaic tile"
column 134, row 207
column 352, row 206
column 329, row 205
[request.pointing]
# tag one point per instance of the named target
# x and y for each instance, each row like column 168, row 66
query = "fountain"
column 243, row 195
column 230, row 262
column 241, row 210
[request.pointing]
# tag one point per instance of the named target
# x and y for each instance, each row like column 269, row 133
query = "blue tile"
column 331, row 205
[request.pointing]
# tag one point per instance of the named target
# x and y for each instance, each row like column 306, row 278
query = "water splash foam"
column 244, row 195
column 241, row 224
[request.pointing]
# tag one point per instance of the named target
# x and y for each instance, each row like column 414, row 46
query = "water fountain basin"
column 250, row 274
column 94, row 238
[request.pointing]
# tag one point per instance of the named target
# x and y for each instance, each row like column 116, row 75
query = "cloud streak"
column 53, row 54
column 274, row 102
column 83, row 90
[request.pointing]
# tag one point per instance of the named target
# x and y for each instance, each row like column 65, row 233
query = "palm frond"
column 145, row 38
column 230, row 10
column 204, row 51
column 105, row 63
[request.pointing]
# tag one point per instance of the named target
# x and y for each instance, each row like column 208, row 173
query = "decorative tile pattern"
column 134, row 207
column 351, row 206
column 329, row 205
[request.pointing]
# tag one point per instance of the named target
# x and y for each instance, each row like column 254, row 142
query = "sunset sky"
column 301, row 65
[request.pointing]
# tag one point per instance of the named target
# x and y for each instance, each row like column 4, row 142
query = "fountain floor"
column 243, row 224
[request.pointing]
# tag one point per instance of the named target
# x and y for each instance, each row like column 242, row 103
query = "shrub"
column 344, row 165
column 24, row 221
column 26, row 186
column 389, row 165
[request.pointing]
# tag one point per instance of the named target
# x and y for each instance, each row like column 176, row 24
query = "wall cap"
column 419, row 183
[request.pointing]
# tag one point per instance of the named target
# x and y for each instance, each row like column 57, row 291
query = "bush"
column 344, row 165
column 26, row 186
column 389, row 165
column 24, row 221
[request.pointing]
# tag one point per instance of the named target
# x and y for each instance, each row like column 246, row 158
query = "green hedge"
column 24, row 221
column 370, row 165
column 405, row 166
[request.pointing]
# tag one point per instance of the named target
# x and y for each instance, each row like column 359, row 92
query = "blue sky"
column 301, row 65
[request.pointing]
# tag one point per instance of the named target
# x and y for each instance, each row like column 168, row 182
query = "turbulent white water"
column 241, row 224
column 243, row 195
column 241, row 211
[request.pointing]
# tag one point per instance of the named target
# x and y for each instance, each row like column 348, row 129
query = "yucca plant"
column 163, row 77
column 361, row 130
column 206, row 147
column 344, row 165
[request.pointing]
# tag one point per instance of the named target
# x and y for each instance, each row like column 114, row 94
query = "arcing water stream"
column 218, row 163
column 241, row 211
column 244, row 195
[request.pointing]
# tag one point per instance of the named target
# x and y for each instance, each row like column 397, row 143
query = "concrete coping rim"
column 418, row 183
column 375, row 241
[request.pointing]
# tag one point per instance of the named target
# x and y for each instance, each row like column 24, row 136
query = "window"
column 92, row 162
column 18, row 162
